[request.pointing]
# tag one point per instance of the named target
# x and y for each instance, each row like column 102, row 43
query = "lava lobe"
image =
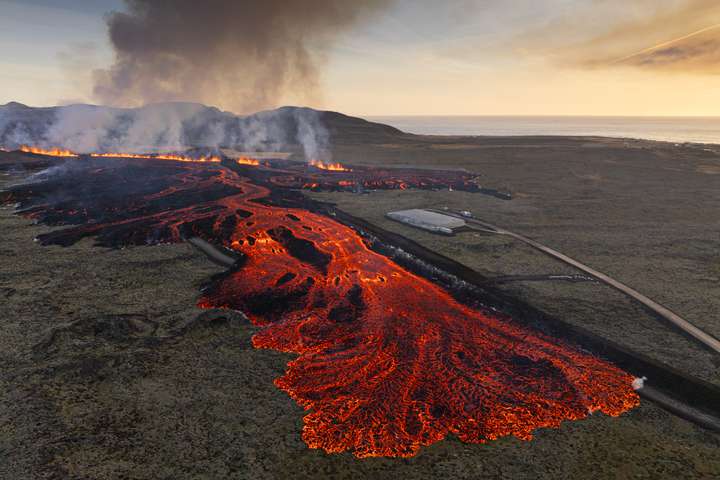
column 387, row 361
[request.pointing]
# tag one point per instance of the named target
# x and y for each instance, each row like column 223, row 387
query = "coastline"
column 677, row 130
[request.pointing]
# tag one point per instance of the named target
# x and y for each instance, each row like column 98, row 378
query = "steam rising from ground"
column 245, row 55
column 164, row 127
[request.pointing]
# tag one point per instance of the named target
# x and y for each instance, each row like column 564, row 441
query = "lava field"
column 387, row 360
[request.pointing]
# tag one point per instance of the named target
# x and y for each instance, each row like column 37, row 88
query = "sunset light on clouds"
column 519, row 57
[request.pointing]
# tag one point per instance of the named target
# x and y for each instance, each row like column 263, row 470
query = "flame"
column 51, row 152
column 177, row 158
column 168, row 156
column 119, row 155
column 183, row 158
column 333, row 167
column 247, row 161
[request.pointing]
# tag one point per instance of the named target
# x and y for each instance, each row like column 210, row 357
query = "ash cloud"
column 245, row 55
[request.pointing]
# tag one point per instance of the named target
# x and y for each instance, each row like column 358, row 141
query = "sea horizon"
column 678, row 129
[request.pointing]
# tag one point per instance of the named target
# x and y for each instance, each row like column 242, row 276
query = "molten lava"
column 387, row 360
column 177, row 158
column 247, row 161
column 333, row 167
column 51, row 152
column 120, row 155
column 173, row 157
column 183, row 158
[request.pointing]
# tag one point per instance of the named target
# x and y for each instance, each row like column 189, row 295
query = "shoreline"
column 628, row 129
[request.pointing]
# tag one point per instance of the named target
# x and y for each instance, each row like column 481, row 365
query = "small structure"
column 431, row 221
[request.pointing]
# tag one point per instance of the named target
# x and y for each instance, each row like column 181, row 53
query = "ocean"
column 672, row 129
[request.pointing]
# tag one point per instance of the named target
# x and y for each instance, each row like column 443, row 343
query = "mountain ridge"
column 88, row 128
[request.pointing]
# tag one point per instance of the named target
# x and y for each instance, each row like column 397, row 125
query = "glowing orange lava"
column 58, row 152
column 333, row 167
column 183, row 158
column 51, row 152
column 120, row 155
column 247, row 161
column 387, row 361
column 164, row 156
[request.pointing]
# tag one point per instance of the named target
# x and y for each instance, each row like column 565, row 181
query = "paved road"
column 701, row 336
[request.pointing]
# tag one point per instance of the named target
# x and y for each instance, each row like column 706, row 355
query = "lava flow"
column 120, row 155
column 332, row 167
column 387, row 360
column 50, row 152
column 177, row 158
column 247, row 161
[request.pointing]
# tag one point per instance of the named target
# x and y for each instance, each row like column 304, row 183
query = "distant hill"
column 86, row 128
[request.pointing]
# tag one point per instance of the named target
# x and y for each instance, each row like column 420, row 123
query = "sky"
column 423, row 57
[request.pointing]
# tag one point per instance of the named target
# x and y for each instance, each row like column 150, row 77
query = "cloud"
column 658, row 35
column 696, row 52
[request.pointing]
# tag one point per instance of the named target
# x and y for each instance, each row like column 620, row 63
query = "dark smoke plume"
column 243, row 55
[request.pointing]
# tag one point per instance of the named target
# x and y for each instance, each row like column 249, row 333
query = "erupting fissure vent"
column 333, row 167
column 51, row 152
column 387, row 360
column 174, row 157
